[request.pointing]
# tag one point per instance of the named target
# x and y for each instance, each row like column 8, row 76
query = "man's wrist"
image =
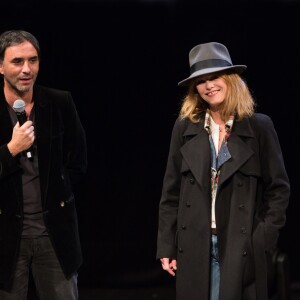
column 11, row 151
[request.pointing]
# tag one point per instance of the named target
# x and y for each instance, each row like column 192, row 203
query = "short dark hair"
column 15, row 37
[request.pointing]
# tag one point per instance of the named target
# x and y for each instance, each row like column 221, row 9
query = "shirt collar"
column 228, row 124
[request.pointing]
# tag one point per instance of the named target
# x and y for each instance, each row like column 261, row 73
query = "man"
column 38, row 221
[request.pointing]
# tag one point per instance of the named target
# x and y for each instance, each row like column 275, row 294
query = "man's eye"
column 17, row 62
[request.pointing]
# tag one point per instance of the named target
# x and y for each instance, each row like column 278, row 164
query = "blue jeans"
column 37, row 255
column 214, row 269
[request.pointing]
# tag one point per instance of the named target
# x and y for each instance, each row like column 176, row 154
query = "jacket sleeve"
column 276, row 186
column 169, row 202
column 8, row 163
column 75, row 147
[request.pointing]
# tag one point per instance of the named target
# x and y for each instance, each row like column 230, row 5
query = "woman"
column 225, row 190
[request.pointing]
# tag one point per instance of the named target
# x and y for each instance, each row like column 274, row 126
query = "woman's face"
column 212, row 89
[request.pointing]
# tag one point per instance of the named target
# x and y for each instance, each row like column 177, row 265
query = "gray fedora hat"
column 209, row 58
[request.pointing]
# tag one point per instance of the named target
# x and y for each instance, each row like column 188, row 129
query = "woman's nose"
column 209, row 84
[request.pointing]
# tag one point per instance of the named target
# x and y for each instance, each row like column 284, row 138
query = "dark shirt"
column 33, row 223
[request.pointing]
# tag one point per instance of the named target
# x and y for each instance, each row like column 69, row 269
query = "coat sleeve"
column 169, row 202
column 275, row 181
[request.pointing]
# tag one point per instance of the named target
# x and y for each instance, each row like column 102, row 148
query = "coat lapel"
column 196, row 152
column 43, row 125
column 239, row 150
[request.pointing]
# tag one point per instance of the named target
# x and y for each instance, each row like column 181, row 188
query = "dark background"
column 122, row 61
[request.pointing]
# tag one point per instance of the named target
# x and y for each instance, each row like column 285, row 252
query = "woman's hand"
column 169, row 265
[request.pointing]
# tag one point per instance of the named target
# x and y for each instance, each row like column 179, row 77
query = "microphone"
column 19, row 108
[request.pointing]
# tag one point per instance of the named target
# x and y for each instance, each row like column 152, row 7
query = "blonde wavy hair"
column 238, row 100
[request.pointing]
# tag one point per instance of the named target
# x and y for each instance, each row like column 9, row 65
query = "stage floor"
column 151, row 293
column 147, row 293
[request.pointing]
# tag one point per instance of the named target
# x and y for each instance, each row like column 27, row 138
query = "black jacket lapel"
column 239, row 150
column 196, row 152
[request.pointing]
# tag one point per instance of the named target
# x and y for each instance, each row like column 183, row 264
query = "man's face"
column 20, row 67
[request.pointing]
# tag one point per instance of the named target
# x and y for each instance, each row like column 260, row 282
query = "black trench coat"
column 251, row 205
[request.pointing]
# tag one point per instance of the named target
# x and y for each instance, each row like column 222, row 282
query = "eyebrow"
column 22, row 58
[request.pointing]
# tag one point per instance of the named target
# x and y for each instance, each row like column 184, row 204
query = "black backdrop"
column 122, row 61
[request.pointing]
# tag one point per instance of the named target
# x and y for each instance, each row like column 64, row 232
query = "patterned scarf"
column 223, row 155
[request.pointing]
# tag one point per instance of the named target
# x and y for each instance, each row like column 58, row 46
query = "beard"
column 18, row 88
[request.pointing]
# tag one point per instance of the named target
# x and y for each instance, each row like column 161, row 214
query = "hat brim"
column 235, row 69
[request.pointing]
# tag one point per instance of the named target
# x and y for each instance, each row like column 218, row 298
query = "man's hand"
column 22, row 138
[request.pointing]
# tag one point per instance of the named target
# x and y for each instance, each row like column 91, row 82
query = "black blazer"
column 62, row 159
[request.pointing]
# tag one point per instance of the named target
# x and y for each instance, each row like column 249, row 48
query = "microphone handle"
column 22, row 118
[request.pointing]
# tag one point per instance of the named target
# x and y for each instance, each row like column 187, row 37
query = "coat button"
column 241, row 206
column 243, row 230
column 180, row 250
column 188, row 204
column 192, row 180
column 244, row 253
column 62, row 203
column 183, row 227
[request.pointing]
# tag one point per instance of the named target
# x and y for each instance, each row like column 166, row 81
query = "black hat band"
column 209, row 63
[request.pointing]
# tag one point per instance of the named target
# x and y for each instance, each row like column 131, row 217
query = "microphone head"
column 19, row 106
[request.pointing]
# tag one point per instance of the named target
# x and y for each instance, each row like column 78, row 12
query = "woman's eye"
column 199, row 81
